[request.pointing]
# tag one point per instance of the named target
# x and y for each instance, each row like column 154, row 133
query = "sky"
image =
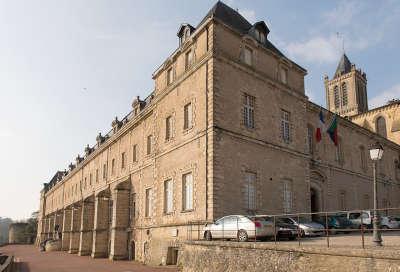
column 68, row 67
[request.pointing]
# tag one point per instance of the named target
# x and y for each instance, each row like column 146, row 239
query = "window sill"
column 187, row 130
column 187, row 211
column 168, row 213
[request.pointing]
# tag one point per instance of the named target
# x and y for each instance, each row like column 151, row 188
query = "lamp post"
column 376, row 152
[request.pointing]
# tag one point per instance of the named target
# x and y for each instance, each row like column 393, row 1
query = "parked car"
column 361, row 217
column 238, row 227
column 335, row 223
column 306, row 225
column 389, row 222
column 283, row 229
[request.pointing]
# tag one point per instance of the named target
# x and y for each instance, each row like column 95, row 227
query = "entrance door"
column 314, row 203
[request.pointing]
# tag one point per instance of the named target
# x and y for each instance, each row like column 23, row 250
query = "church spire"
column 343, row 67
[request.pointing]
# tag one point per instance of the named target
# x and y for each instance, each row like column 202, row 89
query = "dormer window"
column 184, row 33
column 260, row 35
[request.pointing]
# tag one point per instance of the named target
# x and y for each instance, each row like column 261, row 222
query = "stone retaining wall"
column 224, row 256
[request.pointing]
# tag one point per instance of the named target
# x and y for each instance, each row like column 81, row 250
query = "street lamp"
column 376, row 152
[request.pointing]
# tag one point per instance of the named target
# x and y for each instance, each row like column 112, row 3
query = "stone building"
column 346, row 95
column 227, row 129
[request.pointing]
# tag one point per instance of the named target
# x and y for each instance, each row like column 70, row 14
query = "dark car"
column 336, row 223
column 283, row 230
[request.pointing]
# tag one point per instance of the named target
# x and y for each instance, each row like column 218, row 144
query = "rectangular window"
column 149, row 202
column 187, row 116
column 250, row 191
column 149, row 144
column 104, row 171
column 287, row 196
column 123, row 160
column 168, row 196
column 189, row 59
column 248, row 110
column 285, row 126
column 187, row 192
column 342, row 200
column 168, row 128
column 113, row 167
column 90, row 179
column 132, row 213
column 170, row 76
column 310, row 139
column 97, row 175
column 134, row 153
column 248, row 55
column 284, row 73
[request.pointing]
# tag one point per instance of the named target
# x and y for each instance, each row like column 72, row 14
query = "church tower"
column 346, row 92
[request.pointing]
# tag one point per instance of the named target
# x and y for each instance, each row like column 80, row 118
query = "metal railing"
column 343, row 228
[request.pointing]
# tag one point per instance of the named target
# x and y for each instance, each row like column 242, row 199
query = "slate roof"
column 233, row 19
column 344, row 66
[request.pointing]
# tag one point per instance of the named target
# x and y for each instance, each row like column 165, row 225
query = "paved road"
column 32, row 260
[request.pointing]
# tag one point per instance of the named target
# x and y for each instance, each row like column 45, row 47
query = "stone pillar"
column 101, row 228
column 120, row 221
column 86, row 233
column 75, row 229
column 58, row 221
column 66, row 230
column 49, row 227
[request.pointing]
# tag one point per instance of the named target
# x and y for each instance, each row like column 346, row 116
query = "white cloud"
column 385, row 96
column 317, row 49
column 343, row 14
column 361, row 26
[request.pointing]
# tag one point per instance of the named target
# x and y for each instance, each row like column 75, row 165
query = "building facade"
column 228, row 129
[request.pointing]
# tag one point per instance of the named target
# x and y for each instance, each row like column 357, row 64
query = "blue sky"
column 68, row 67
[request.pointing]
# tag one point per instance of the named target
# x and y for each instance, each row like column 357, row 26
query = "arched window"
column 381, row 126
column 336, row 96
column 344, row 94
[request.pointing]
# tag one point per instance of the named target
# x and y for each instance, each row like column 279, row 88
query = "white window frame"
column 187, row 192
column 248, row 55
column 284, row 75
column 188, row 116
column 285, row 126
column 168, row 128
column 168, row 196
column 250, row 191
column 148, row 202
column 287, row 196
column 189, row 59
column 248, row 110
column 170, row 76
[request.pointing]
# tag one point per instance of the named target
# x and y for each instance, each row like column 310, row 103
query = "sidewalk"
column 32, row 260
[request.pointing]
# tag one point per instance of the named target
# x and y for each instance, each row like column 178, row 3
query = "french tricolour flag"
column 320, row 127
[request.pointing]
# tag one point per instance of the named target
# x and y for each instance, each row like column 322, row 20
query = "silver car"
column 238, row 227
column 307, row 226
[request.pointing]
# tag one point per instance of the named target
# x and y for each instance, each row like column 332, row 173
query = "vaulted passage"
column 86, row 231
column 102, row 215
column 75, row 229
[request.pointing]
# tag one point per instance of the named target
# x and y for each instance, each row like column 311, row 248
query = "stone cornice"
column 376, row 110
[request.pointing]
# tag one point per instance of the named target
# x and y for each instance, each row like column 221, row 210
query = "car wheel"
column 242, row 236
column 385, row 227
column 332, row 231
column 208, row 236
column 291, row 238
